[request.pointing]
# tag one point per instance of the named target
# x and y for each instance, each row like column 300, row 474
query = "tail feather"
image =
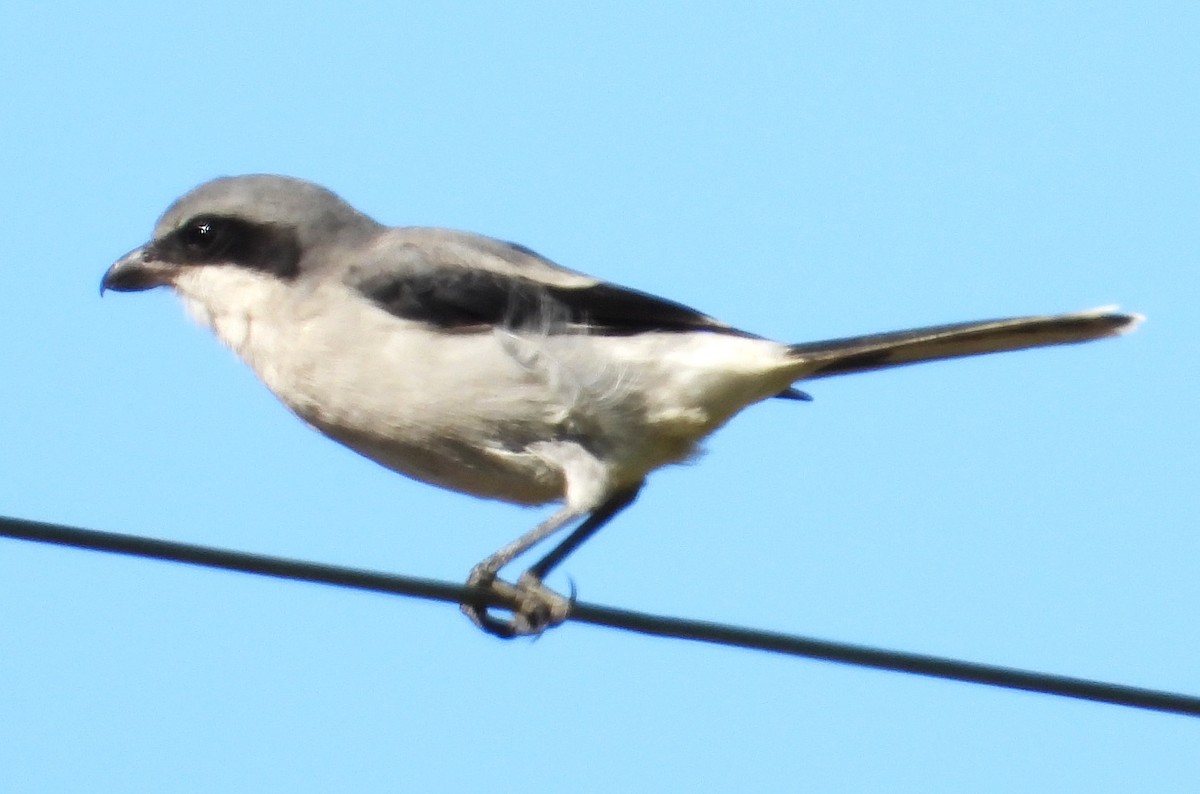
column 879, row 351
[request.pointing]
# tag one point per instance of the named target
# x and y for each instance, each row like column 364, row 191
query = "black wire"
column 897, row 661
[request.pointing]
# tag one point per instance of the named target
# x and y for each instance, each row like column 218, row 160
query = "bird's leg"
column 537, row 607
column 601, row 516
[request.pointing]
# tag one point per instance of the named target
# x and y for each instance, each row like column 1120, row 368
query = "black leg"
column 601, row 516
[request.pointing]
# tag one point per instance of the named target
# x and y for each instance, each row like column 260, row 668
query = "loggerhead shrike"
column 479, row 366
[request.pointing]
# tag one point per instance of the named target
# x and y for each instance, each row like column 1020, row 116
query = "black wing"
column 478, row 283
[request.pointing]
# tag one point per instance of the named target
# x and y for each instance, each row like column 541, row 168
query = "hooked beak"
column 135, row 272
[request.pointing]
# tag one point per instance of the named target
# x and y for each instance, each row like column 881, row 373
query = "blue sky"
column 800, row 170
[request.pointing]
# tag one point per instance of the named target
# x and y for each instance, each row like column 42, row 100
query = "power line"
column 656, row 625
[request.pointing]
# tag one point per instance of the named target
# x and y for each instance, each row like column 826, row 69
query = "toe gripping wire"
column 535, row 607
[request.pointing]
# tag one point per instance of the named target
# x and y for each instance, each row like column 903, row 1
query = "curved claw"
column 477, row 611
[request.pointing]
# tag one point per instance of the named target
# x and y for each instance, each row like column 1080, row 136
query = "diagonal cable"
column 641, row 622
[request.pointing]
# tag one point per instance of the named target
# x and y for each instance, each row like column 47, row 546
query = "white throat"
column 236, row 304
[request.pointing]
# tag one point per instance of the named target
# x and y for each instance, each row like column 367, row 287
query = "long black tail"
column 878, row 351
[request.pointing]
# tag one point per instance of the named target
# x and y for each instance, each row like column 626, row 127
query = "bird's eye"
column 198, row 236
column 205, row 236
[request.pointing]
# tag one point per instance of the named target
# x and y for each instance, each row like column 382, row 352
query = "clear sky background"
column 801, row 170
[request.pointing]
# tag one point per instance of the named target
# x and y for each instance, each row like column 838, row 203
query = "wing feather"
column 460, row 281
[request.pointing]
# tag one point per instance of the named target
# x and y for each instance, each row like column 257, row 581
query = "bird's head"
column 263, row 223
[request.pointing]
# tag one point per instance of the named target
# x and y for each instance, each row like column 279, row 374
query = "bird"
column 477, row 365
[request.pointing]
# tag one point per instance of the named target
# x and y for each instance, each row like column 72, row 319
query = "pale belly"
column 493, row 413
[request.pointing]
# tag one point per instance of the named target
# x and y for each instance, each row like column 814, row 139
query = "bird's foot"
column 535, row 606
